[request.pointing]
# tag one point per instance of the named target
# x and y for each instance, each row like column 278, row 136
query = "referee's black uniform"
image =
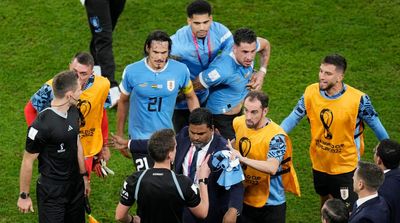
column 60, row 187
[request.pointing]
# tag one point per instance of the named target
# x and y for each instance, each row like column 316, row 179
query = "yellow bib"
column 255, row 145
column 333, row 124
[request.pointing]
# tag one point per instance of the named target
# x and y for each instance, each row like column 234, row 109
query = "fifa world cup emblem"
column 326, row 117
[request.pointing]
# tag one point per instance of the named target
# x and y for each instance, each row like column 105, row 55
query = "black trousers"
column 272, row 214
column 103, row 16
column 224, row 125
column 60, row 201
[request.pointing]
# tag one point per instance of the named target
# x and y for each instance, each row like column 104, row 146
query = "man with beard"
column 336, row 112
column 149, row 89
column 265, row 152
column 230, row 77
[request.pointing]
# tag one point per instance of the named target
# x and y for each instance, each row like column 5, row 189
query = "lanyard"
column 196, row 44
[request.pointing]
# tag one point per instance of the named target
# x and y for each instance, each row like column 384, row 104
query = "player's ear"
column 189, row 21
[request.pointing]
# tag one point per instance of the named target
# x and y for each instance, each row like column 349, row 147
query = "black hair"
column 337, row 60
column 335, row 211
column 370, row 174
column 388, row 151
column 201, row 116
column 198, row 7
column 244, row 35
column 157, row 35
column 84, row 58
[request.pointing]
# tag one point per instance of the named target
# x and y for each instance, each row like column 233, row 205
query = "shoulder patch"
column 214, row 75
column 32, row 133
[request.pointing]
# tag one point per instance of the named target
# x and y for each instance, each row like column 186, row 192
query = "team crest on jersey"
column 170, row 85
column 344, row 193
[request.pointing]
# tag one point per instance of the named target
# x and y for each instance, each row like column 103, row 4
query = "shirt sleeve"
column 367, row 113
column 127, row 194
column 191, row 192
column 42, row 98
column 277, row 147
column 211, row 77
column 226, row 40
column 295, row 116
column 125, row 85
column 36, row 138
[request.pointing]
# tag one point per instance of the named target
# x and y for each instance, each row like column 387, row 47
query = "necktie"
column 193, row 165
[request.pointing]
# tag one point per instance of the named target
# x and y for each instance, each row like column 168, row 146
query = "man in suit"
column 387, row 157
column 370, row 207
column 194, row 143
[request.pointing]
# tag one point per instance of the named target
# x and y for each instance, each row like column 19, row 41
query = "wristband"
column 85, row 174
column 204, row 180
column 263, row 69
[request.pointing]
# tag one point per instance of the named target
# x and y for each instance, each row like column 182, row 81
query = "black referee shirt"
column 54, row 136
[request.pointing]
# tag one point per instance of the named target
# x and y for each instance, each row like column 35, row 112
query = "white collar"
column 361, row 201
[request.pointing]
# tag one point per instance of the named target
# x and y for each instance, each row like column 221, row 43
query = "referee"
column 159, row 192
column 53, row 140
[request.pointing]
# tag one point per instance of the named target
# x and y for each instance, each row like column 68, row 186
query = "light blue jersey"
column 152, row 95
column 197, row 53
column 226, row 80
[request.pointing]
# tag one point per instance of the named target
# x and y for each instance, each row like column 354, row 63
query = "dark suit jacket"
column 375, row 210
column 390, row 190
column 219, row 198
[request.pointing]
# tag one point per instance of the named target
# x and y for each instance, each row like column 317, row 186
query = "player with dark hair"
column 53, row 139
column 159, row 192
column 334, row 211
column 196, row 45
column 93, row 101
column 336, row 113
column 230, row 76
column 265, row 152
column 149, row 89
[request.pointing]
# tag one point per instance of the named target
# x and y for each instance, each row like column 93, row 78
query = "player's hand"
column 256, row 81
column 25, row 205
column 235, row 153
column 136, row 219
column 120, row 144
column 230, row 216
column 204, row 170
column 105, row 154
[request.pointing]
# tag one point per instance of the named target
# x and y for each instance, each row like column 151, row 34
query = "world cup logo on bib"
column 344, row 193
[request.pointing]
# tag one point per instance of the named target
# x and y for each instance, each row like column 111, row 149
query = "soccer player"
column 265, row 152
column 149, row 89
column 336, row 112
column 102, row 18
column 196, row 45
column 93, row 101
column 159, row 192
column 230, row 76
column 53, row 139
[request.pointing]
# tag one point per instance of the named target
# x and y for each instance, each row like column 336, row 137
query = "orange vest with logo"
column 92, row 107
column 333, row 124
column 255, row 145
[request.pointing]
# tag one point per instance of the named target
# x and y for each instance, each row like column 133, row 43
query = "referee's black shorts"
column 60, row 201
column 340, row 186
